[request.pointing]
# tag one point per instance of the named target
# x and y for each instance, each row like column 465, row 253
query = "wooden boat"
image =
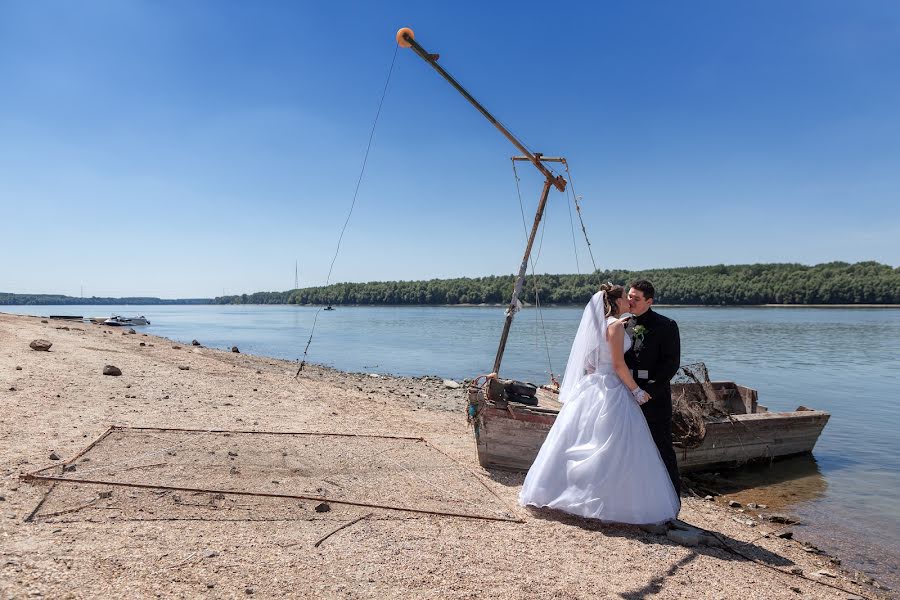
column 508, row 434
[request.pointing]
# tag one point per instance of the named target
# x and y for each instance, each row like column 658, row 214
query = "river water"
column 844, row 361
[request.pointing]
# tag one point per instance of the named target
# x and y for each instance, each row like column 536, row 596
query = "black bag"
column 520, row 388
column 511, row 390
column 522, row 399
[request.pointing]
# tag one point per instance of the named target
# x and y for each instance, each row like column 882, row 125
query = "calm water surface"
column 844, row 361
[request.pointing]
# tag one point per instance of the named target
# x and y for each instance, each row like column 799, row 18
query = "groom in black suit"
column 654, row 357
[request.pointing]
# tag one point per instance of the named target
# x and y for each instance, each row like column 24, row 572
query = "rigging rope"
column 574, row 242
column 352, row 204
column 537, row 298
column 571, row 187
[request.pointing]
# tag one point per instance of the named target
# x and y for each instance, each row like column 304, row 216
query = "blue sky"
column 183, row 149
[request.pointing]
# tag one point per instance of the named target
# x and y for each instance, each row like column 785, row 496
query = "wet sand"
column 150, row 542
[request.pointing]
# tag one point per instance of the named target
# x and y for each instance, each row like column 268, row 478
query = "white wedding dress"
column 599, row 460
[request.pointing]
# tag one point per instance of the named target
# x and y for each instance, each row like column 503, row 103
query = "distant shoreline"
column 865, row 284
column 463, row 305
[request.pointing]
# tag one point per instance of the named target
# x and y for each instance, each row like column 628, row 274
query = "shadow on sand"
column 634, row 532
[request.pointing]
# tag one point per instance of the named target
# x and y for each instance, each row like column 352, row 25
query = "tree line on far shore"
column 778, row 283
column 8, row 299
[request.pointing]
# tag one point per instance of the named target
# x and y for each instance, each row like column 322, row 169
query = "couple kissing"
column 609, row 454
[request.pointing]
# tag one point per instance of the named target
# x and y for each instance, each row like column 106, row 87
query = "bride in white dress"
column 599, row 460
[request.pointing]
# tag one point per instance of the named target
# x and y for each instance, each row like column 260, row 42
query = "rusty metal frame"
column 83, row 451
column 34, row 476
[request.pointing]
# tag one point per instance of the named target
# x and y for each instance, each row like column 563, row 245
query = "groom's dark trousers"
column 653, row 364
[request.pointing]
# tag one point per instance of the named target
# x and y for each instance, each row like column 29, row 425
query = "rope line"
column 537, row 297
column 571, row 187
column 352, row 204
column 574, row 242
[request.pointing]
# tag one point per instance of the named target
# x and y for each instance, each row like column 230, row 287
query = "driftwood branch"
column 159, row 464
column 30, row 516
column 344, row 526
column 184, row 562
column 71, row 510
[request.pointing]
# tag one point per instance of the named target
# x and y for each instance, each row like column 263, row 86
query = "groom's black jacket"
column 660, row 356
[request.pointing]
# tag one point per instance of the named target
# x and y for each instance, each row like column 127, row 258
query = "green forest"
column 51, row 299
column 778, row 283
column 829, row 283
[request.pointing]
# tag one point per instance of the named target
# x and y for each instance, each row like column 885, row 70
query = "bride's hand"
column 640, row 396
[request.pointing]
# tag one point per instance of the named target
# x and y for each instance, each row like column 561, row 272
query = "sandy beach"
column 104, row 540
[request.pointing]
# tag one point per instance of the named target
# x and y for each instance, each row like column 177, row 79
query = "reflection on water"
column 779, row 484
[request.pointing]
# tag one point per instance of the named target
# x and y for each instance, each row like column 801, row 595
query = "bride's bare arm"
column 615, row 337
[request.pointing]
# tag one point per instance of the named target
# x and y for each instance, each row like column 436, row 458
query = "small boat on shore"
column 118, row 321
column 508, row 435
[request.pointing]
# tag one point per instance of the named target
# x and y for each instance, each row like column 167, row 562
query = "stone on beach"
column 235, row 350
column 785, row 535
column 660, row 529
column 112, row 370
column 195, row 343
column 685, row 538
column 40, row 345
column 780, row 518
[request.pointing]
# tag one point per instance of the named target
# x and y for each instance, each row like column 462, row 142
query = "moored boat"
column 509, row 434
column 118, row 321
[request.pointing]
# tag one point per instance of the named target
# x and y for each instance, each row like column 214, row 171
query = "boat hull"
column 126, row 322
column 751, row 438
column 509, row 435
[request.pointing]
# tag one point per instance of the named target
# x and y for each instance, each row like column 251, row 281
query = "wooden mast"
column 405, row 38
